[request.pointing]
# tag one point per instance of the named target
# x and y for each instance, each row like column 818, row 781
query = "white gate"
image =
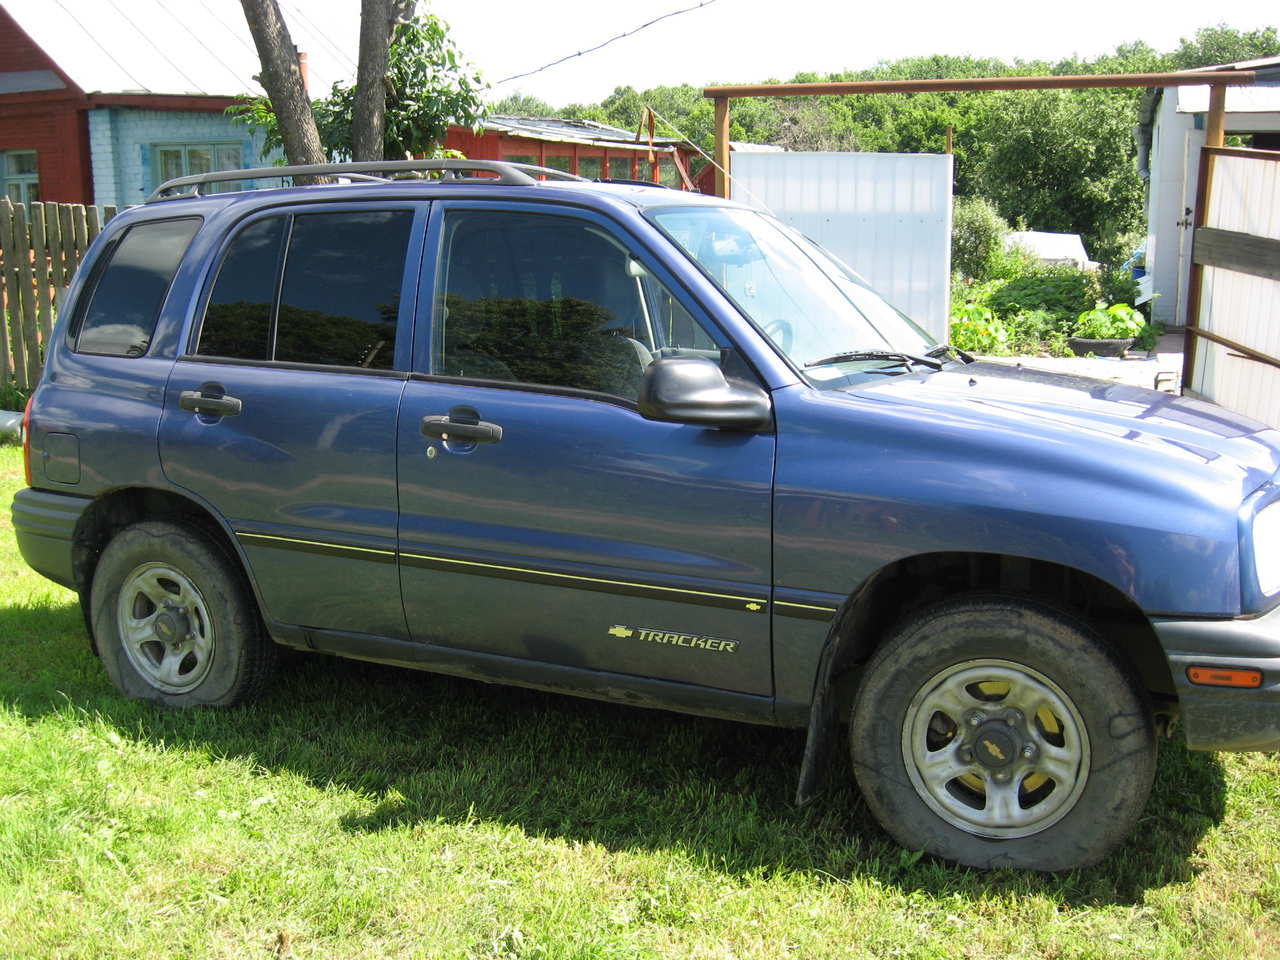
column 887, row 215
column 1235, row 284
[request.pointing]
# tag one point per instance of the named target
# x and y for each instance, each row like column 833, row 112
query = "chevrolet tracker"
column 635, row 444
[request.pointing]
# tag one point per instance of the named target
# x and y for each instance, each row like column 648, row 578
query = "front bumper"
column 44, row 524
column 1226, row 718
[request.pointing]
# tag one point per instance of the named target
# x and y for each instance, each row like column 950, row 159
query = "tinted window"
column 122, row 311
column 237, row 321
column 340, row 298
column 554, row 301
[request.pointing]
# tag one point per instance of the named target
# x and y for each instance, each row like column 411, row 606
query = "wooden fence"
column 41, row 245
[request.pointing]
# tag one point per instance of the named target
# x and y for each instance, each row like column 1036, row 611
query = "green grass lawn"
column 361, row 811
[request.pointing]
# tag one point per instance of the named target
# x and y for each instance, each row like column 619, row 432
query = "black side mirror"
column 694, row 390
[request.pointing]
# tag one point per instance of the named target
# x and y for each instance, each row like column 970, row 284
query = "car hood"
column 1145, row 428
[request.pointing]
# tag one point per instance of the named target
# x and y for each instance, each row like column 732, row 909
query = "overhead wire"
column 89, row 34
column 728, row 176
column 323, row 37
column 195, row 87
column 196, row 37
column 555, row 63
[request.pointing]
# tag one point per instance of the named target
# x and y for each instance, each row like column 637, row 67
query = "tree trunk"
column 378, row 20
column 282, row 79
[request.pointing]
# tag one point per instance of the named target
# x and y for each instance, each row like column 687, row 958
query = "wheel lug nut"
column 1002, row 776
column 966, row 755
column 1029, row 751
column 974, row 719
column 1013, row 717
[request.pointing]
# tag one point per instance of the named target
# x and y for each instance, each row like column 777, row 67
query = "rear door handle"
column 466, row 430
column 198, row 401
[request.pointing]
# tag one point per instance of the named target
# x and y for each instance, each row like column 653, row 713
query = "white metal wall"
column 887, row 215
column 1244, row 197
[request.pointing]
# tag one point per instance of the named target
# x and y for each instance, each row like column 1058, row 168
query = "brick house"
column 583, row 147
column 99, row 103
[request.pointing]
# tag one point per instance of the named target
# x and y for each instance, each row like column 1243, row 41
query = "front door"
column 541, row 517
column 282, row 413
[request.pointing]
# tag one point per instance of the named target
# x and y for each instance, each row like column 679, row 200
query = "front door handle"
column 211, row 405
column 461, row 427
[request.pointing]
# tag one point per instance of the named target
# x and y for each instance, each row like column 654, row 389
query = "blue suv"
column 655, row 448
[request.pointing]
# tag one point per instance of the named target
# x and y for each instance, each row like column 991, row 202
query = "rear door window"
column 320, row 289
column 120, row 316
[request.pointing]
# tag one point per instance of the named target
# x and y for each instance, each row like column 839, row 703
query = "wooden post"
column 951, row 135
column 93, row 223
column 1215, row 126
column 27, row 296
column 722, row 147
column 81, row 228
column 53, row 233
column 40, row 263
column 1195, row 280
column 68, row 240
column 7, row 289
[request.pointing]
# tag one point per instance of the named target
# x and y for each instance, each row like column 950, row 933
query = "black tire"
column 202, row 644
column 907, row 758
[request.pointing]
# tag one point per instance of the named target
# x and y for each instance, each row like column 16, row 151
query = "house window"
column 171, row 160
column 19, row 176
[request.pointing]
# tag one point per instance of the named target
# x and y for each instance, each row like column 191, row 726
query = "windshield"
column 801, row 297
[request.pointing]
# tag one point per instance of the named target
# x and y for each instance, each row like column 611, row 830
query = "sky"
column 740, row 41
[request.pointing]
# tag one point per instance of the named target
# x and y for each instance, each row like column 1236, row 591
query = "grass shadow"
column 430, row 748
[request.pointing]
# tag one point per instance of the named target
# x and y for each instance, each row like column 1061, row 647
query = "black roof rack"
column 374, row 171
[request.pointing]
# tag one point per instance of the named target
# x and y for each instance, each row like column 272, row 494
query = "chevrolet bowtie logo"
column 753, row 607
column 620, row 631
column 993, row 749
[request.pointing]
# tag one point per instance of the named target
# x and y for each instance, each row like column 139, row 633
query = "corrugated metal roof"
column 200, row 47
column 1261, row 98
column 560, row 130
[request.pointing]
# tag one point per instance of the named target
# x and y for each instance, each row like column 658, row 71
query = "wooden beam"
column 1241, row 252
column 1093, row 80
column 1215, row 126
column 1191, row 319
column 722, row 147
column 1248, row 353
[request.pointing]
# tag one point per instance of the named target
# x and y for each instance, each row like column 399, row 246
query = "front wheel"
column 175, row 621
column 996, row 732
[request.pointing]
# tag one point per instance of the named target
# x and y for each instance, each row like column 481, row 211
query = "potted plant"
column 1106, row 331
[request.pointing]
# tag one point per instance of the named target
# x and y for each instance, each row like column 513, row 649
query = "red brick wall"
column 51, row 122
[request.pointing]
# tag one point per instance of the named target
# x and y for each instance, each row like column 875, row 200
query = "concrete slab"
column 1161, row 369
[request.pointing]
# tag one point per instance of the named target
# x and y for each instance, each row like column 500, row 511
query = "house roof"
column 1263, row 97
column 196, row 47
column 559, row 130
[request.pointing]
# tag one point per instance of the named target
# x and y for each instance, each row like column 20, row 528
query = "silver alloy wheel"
column 995, row 748
column 165, row 627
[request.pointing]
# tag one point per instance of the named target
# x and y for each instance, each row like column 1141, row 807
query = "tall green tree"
column 428, row 87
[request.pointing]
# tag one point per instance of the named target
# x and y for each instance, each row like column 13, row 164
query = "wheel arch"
column 113, row 511
column 900, row 589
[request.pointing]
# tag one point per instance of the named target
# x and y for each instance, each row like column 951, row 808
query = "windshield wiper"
column 907, row 360
column 944, row 348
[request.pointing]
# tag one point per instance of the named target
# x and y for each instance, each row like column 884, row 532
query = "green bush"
column 1116, row 322
column 1118, row 286
column 11, row 398
column 1063, row 292
column 977, row 237
column 976, row 329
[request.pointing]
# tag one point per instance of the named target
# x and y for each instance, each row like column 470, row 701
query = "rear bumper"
column 44, row 524
column 1226, row 718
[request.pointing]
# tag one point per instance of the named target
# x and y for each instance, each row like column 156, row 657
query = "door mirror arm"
column 695, row 391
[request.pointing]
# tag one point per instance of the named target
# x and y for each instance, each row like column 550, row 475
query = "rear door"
column 546, row 520
column 281, row 414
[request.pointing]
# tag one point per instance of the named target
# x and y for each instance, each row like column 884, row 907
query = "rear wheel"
column 997, row 732
column 174, row 619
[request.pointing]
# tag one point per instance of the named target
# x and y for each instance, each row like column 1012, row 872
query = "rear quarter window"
column 120, row 315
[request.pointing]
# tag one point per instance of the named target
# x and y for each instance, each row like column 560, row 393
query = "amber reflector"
column 1219, row 677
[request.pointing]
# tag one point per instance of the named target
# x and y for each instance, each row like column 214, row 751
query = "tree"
column 378, row 22
column 281, row 77
column 427, row 87
column 1222, row 44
